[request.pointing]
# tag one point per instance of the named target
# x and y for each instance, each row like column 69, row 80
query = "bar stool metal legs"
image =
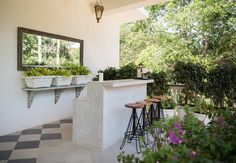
column 145, row 123
column 133, row 131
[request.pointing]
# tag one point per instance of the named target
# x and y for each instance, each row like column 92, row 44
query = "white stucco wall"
column 71, row 18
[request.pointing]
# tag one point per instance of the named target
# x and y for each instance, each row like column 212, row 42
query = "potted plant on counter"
column 38, row 78
column 168, row 106
column 62, row 77
column 80, row 74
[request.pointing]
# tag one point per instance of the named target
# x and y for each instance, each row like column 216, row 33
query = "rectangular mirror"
column 42, row 49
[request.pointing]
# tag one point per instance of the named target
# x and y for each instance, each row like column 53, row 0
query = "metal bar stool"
column 154, row 112
column 162, row 98
column 143, row 118
column 133, row 131
column 144, row 121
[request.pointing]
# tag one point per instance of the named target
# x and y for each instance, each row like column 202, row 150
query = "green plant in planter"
column 128, row 71
column 202, row 108
column 193, row 76
column 125, row 72
column 61, row 72
column 84, row 70
column 168, row 103
column 38, row 72
column 110, row 73
column 78, row 69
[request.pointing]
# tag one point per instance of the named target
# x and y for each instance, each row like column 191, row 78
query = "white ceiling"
column 112, row 6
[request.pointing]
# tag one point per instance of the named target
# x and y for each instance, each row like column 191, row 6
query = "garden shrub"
column 222, row 83
column 193, row 76
column 160, row 85
column 190, row 140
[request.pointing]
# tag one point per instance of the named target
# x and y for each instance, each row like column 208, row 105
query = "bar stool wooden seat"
column 133, row 131
column 144, row 102
column 153, row 100
column 161, row 97
column 134, row 105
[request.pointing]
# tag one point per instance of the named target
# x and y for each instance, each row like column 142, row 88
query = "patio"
column 81, row 79
column 53, row 143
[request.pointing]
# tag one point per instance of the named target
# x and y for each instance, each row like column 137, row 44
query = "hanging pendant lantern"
column 98, row 10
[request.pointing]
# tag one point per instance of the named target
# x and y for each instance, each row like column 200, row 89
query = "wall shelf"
column 57, row 92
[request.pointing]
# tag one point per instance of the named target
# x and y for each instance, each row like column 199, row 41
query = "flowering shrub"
column 190, row 140
column 175, row 134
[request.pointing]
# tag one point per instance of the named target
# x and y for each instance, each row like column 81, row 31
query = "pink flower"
column 175, row 134
column 220, row 120
column 173, row 138
column 193, row 154
column 179, row 128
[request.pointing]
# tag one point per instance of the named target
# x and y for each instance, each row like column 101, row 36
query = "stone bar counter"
column 100, row 119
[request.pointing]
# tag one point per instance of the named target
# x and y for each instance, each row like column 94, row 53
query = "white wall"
column 71, row 18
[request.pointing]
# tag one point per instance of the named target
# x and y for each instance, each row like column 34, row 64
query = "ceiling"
column 112, row 6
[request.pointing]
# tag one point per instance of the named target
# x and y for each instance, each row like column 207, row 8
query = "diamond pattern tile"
column 27, row 145
column 9, row 138
column 32, row 131
column 28, row 160
column 4, row 155
column 23, row 146
column 51, row 126
column 50, row 136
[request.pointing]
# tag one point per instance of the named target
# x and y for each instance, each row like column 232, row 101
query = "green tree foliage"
column 222, row 84
column 196, row 31
column 159, row 87
column 29, row 49
column 69, row 52
column 193, row 76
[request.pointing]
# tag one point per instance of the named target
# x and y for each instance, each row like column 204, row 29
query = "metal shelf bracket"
column 31, row 92
column 78, row 91
column 31, row 95
column 57, row 93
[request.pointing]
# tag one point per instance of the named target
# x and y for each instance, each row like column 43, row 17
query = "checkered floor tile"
column 23, row 147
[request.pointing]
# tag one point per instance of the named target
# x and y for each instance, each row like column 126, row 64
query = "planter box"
column 180, row 112
column 61, row 81
column 202, row 117
column 81, row 79
column 169, row 113
column 38, row 81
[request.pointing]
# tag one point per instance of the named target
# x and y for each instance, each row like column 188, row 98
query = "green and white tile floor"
column 52, row 143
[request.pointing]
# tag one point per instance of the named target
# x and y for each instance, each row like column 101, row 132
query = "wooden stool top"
column 160, row 97
column 154, row 100
column 144, row 102
column 134, row 106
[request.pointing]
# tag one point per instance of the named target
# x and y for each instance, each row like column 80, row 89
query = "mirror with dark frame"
column 42, row 49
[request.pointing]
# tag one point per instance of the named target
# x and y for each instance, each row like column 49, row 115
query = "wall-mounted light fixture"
column 98, row 10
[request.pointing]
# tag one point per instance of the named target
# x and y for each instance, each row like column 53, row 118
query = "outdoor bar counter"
column 100, row 119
